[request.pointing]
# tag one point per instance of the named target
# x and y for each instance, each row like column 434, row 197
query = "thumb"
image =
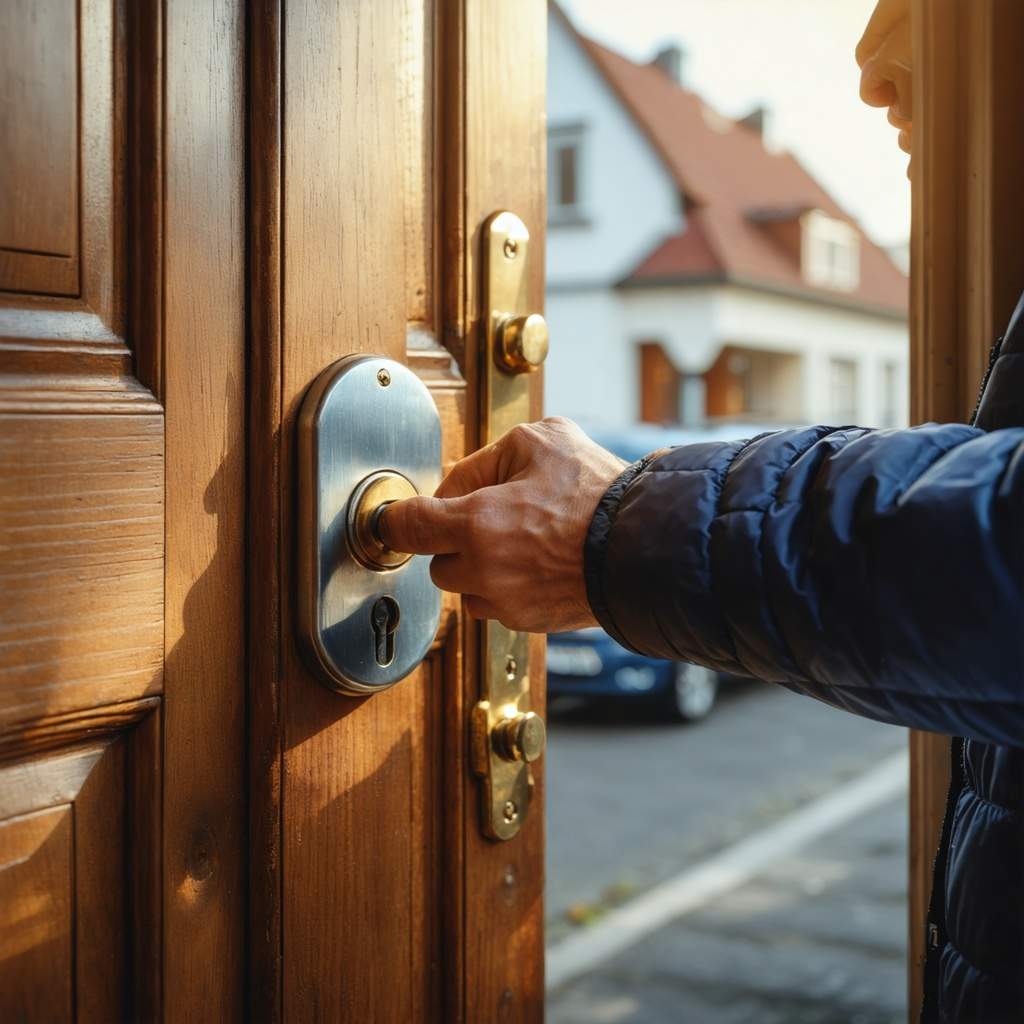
column 423, row 526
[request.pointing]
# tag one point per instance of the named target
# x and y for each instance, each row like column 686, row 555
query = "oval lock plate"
column 366, row 620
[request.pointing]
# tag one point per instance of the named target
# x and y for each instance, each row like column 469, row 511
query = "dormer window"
column 830, row 252
column 565, row 166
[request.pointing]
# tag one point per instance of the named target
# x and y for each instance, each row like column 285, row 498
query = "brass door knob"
column 520, row 738
column 522, row 343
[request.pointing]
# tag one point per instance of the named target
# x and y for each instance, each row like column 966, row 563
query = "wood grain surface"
column 122, row 505
column 39, row 129
column 361, row 778
column 203, row 392
column 36, row 891
column 81, row 560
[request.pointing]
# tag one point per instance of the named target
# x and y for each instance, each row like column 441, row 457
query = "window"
column 660, row 385
column 565, row 165
column 890, row 403
column 843, row 392
column 831, row 252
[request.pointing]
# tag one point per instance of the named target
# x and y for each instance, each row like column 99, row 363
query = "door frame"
column 967, row 272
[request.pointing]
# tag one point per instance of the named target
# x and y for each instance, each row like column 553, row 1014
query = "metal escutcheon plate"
column 362, row 415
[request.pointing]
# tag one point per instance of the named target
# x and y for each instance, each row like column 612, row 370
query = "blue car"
column 589, row 663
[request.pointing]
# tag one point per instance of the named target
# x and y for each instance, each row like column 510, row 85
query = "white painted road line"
column 733, row 866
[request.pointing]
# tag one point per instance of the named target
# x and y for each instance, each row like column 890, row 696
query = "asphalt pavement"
column 817, row 937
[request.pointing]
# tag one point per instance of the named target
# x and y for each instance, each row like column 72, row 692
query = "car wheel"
column 692, row 694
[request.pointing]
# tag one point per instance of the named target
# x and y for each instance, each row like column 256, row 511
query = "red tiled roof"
column 726, row 174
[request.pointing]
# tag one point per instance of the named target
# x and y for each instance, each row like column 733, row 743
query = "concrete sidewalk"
column 819, row 938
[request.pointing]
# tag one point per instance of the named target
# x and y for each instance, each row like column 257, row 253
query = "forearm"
column 878, row 571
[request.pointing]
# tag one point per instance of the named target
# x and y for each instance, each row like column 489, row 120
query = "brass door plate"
column 506, row 782
column 506, row 684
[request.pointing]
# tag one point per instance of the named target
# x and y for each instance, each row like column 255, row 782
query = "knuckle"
column 561, row 422
column 520, row 435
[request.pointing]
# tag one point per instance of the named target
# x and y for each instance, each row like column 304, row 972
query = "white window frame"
column 890, row 384
column 843, row 376
column 561, row 137
column 830, row 252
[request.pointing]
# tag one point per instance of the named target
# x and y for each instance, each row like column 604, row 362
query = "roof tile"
column 731, row 182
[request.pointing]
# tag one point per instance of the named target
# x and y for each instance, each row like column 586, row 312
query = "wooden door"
column 203, row 205
column 967, row 274
column 122, row 510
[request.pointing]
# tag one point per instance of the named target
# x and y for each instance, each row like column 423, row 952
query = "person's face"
column 884, row 55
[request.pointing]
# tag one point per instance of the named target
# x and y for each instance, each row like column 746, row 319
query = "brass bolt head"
column 511, row 248
column 510, row 811
column 510, row 668
column 522, row 737
column 522, row 343
column 383, row 377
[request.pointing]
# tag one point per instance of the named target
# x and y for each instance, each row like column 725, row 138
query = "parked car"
column 589, row 663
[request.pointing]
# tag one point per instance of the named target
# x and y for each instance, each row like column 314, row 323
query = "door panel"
column 121, row 510
column 81, row 531
column 39, row 69
column 361, row 778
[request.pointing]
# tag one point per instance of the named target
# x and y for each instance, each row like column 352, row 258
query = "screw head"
column 510, row 811
column 510, row 667
column 383, row 377
column 511, row 248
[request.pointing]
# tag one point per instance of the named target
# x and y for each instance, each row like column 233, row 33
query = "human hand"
column 507, row 525
column 885, row 56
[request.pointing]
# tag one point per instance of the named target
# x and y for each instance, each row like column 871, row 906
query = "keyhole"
column 384, row 618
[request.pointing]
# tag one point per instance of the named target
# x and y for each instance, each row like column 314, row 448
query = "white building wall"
column 592, row 372
column 630, row 202
column 684, row 320
column 695, row 323
column 820, row 333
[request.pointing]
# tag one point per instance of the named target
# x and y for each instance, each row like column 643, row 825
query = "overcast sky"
column 796, row 57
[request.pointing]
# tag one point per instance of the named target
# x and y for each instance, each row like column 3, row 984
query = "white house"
column 694, row 273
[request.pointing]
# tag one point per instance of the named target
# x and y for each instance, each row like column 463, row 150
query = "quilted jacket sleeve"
column 879, row 571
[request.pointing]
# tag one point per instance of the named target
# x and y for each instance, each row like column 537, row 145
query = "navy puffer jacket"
column 883, row 573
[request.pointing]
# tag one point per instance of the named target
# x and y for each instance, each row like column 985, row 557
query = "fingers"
column 494, row 464
column 900, row 123
column 876, row 86
column 481, row 469
column 453, row 573
column 424, row 526
column 887, row 15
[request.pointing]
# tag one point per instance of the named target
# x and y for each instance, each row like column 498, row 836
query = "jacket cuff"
column 595, row 547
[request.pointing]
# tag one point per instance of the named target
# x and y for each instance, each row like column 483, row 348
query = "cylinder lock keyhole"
column 384, row 618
